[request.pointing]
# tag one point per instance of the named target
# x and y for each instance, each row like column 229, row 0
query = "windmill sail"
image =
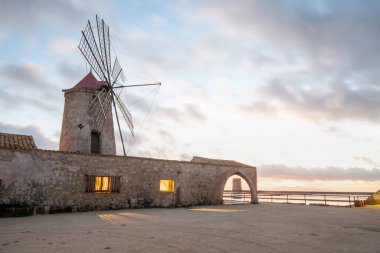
column 90, row 51
column 104, row 43
column 98, row 108
column 117, row 72
column 126, row 114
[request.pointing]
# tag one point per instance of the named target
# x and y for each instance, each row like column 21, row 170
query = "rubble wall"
column 57, row 180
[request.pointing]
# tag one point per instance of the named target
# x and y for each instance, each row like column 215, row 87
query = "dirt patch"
column 238, row 228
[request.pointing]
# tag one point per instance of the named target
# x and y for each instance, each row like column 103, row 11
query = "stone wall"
column 57, row 179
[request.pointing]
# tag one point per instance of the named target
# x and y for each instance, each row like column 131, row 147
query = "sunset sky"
column 291, row 87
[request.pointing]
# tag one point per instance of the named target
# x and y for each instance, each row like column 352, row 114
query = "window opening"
column 95, row 142
column 166, row 185
column 102, row 184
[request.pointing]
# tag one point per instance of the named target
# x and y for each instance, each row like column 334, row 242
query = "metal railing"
column 236, row 197
column 314, row 198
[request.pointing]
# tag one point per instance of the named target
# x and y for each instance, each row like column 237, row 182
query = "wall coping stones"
column 205, row 161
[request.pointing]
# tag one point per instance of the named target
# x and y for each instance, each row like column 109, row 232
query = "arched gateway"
column 247, row 176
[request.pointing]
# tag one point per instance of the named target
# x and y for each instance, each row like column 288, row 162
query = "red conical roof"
column 90, row 82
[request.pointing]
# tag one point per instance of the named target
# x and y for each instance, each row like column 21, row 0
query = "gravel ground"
column 229, row 228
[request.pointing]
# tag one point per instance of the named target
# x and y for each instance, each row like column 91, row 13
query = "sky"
column 290, row 87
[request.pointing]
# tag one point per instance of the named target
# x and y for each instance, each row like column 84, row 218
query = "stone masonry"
column 57, row 179
column 77, row 123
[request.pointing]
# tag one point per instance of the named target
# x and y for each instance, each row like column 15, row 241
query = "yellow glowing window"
column 166, row 185
column 102, row 184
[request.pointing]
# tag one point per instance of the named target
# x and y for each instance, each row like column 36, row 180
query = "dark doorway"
column 95, row 142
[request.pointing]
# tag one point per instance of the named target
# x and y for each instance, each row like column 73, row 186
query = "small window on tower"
column 166, row 185
column 95, row 142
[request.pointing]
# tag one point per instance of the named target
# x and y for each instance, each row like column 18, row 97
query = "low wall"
column 57, row 179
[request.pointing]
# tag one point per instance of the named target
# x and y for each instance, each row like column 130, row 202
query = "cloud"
column 335, row 102
column 261, row 108
column 336, row 131
column 151, row 47
column 25, row 73
column 3, row 37
column 63, row 46
column 366, row 160
column 157, row 20
column 185, row 114
column 16, row 101
column 140, row 140
column 140, row 102
column 166, row 136
column 319, row 59
column 322, row 29
column 68, row 71
column 29, row 75
column 312, row 174
column 33, row 81
column 41, row 140
column 185, row 157
column 194, row 112
column 161, row 152
column 26, row 17
column 168, row 112
column 338, row 102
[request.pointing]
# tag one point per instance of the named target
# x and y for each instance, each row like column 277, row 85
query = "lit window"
column 166, row 185
column 102, row 184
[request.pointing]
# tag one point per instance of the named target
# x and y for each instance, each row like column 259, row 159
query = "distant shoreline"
column 314, row 192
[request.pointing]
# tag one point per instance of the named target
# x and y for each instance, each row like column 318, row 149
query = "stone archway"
column 251, row 181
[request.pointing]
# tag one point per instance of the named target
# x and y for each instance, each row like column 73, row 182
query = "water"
column 313, row 199
column 308, row 198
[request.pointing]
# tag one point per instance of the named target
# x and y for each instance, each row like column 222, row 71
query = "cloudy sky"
column 291, row 87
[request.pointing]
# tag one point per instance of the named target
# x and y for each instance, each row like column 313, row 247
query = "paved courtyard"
column 233, row 228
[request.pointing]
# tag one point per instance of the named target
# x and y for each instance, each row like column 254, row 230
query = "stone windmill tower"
column 83, row 131
column 87, row 124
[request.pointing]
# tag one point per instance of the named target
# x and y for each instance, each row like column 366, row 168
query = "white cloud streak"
column 278, row 171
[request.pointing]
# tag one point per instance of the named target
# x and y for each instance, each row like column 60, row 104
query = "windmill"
column 95, row 48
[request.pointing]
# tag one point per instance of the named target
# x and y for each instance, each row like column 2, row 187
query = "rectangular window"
column 166, row 185
column 102, row 184
column 95, row 142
